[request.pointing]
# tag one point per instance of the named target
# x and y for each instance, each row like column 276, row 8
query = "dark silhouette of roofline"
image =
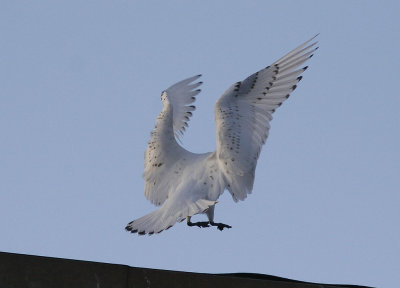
column 19, row 270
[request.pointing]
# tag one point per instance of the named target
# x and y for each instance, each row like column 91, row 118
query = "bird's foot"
column 199, row 224
column 220, row 226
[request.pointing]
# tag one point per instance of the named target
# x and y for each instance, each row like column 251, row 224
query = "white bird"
column 183, row 183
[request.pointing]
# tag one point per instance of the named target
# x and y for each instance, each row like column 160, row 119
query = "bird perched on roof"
column 183, row 183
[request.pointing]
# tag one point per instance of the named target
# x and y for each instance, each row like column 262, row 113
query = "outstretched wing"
column 244, row 111
column 181, row 95
column 163, row 152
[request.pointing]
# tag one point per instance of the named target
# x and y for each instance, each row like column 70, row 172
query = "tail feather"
column 163, row 219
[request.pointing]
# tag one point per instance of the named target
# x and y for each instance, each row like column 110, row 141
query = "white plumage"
column 183, row 183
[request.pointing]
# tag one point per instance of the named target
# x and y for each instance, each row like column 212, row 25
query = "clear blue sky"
column 80, row 85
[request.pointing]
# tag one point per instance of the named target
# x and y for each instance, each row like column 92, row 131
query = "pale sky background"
column 80, row 85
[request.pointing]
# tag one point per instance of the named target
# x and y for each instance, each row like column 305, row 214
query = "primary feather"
column 184, row 183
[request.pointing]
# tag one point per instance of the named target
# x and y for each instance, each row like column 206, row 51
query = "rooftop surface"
column 19, row 270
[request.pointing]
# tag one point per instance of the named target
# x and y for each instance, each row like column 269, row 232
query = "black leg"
column 220, row 226
column 199, row 224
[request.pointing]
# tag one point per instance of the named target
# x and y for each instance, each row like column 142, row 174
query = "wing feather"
column 243, row 113
column 181, row 95
column 163, row 152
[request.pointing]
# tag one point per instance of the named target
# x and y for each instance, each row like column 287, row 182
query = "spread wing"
column 243, row 114
column 181, row 95
column 163, row 152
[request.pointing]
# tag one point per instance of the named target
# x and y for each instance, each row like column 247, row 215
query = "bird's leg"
column 220, row 226
column 198, row 224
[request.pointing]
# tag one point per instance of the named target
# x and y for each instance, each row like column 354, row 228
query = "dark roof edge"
column 282, row 279
column 57, row 271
